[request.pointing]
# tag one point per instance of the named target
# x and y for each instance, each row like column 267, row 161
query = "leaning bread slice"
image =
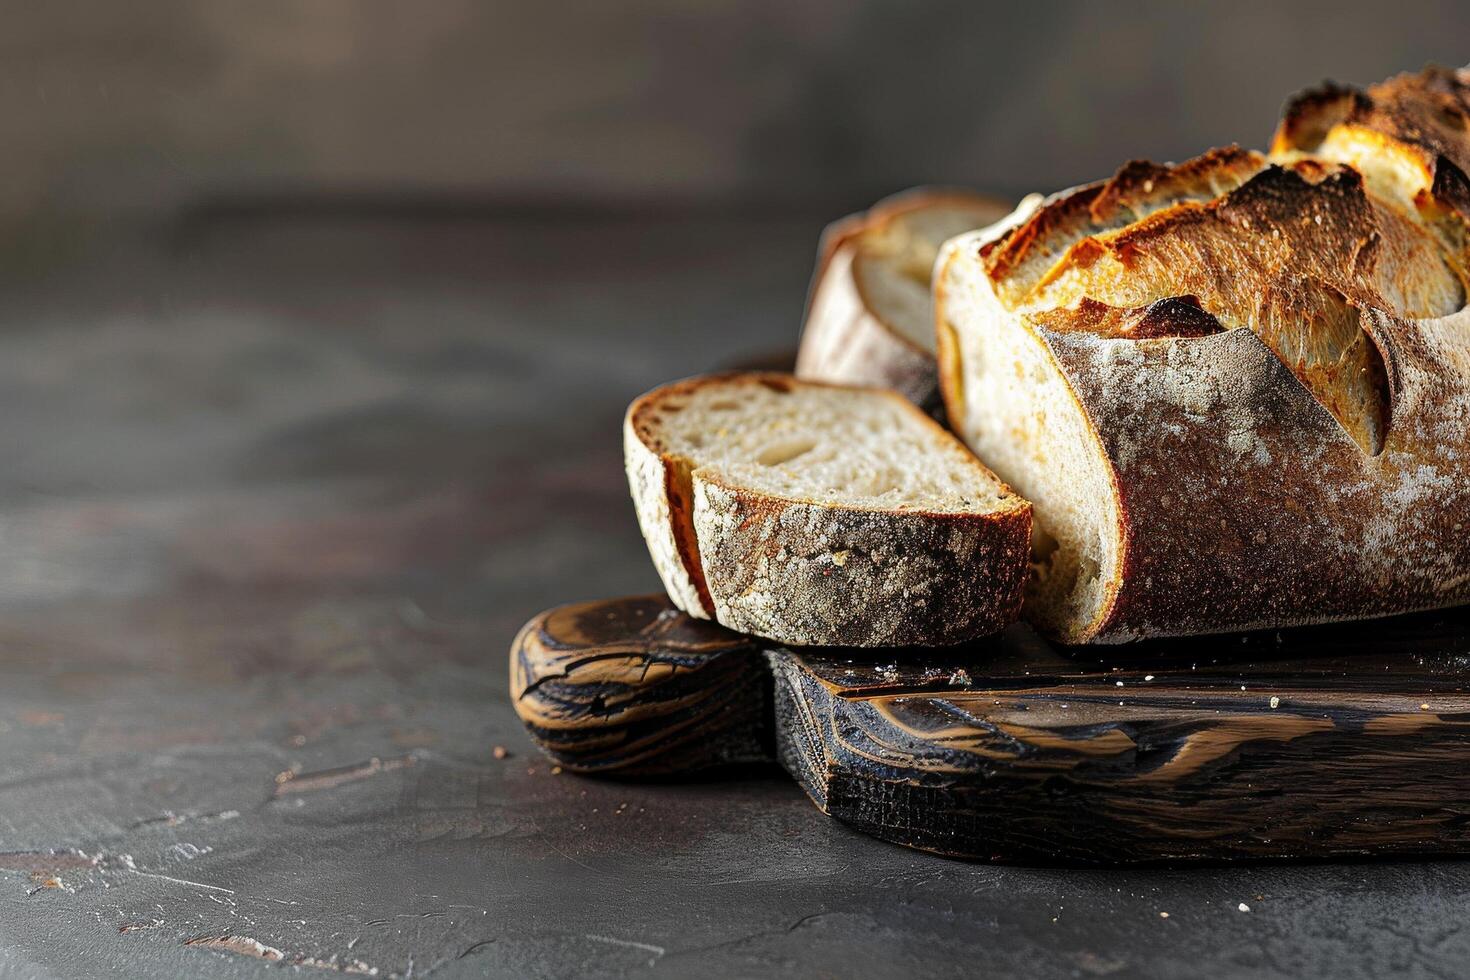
column 870, row 319
column 816, row 514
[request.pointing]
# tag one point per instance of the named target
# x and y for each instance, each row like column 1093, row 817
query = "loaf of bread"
column 870, row 312
column 1236, row 391
column 815, row 514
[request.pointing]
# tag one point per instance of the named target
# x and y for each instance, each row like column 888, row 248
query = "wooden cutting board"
column 1325, row 742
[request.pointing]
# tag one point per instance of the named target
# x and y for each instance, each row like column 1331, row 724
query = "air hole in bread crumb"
column 1087, row 568
column 1043, row 545
column 785, row 452
column 880, row 485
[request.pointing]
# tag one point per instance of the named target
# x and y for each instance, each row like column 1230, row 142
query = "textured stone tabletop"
column 277, row 492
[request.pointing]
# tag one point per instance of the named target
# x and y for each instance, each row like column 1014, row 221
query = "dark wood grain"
column 1351, row 740
column 634, row 687
column 1343, row 741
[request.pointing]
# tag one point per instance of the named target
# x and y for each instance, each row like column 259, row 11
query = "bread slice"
column 817, row 514
column 1233, row 390
column 870, row 316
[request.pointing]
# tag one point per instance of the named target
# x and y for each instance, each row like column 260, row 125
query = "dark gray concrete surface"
column 275, row 496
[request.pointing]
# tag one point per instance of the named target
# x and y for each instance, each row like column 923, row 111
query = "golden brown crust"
column 1284, row 223
column 1142, row 186
column 1138, row 189
column 1295, row 254
column 1050, row 228
column 1310, row 115
column 1428, row 113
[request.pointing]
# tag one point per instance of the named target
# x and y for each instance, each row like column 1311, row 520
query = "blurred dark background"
column 140, row 109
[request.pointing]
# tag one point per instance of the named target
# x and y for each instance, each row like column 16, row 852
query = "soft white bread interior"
column 894, row 260
column 1224, row 385
column 1011, row 403
column 870, row 315
column 811, row 513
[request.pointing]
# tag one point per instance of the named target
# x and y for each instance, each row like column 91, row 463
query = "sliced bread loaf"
column 1235, row 389
column 815, row 514
column 870, row 317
